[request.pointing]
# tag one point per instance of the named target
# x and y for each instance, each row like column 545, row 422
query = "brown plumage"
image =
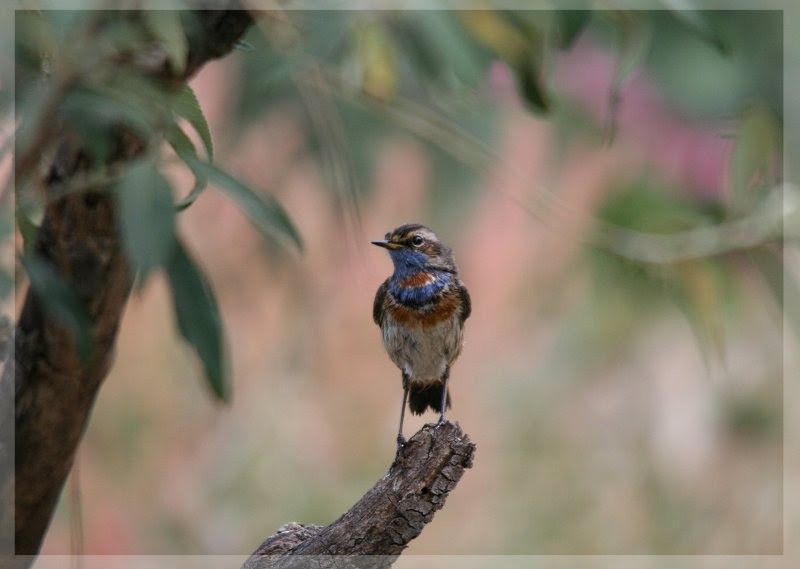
column 421, row 311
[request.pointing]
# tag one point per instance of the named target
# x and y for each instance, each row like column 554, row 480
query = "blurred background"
column 612, row 185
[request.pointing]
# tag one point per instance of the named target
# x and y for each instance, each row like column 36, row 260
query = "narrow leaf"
column 187, row 106
column 531, row 87
column 27, row 229
column 697, row 20
column 192, row 196
column 96, row 112
column 523, row 47
column 755, row 151
column 570, row 24
column 443, row 33
column 703, row 304
column 376, row 55
column 186, row 151
column 415, row 45
column 147, row 217
column 633, row 44
column 264, row 211
column 198, row 318
column 166, row 26
column 501, row 36
column 60, row 302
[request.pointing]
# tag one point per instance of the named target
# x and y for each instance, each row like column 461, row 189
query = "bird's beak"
column 386, row 244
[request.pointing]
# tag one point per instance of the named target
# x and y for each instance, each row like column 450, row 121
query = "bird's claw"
column 401, row 442
column 441, row 421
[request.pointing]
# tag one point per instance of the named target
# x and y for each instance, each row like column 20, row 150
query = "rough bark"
column 53, row 390
column 380, row 525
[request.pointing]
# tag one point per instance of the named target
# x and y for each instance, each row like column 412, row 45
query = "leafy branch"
column 758, row 227
column 78, row 262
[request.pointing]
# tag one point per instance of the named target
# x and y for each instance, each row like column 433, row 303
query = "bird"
column 421, row 309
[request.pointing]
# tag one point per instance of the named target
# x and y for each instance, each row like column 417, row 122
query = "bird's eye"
column 417, row 240
column 387, row 236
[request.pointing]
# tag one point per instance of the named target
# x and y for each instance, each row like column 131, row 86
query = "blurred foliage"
column 356, row 78
column 352, row 81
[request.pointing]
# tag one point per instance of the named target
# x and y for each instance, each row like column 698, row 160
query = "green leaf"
column 96, row 110
column 185, row 150
column 650, row 208
column 187, row 106
column 198, row 318
column 529, row 82
column 416, row 47
column 192, row 196
column 166, row 26
column 695, row 18
column 703, row 304
column 570, row 24
column 147, row 217
column 60, row 302
column 377, row 60
column 180, row 142
column 444, row 34
column 526, row 54
column 27, row 229
column 633, row 44
column 97, row 113
column 754, row 155
column 264, row 211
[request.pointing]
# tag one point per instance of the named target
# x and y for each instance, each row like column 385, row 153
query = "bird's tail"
column 420, row 397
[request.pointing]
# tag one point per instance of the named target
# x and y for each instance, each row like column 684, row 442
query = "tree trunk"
column 53, row 389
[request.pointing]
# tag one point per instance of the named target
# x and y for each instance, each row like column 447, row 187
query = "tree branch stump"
column 378, row 527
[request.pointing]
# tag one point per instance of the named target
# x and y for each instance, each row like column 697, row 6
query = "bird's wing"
column 377, row 305
column 466, row 302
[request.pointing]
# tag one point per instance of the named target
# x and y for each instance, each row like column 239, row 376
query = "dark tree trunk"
column 47, row 388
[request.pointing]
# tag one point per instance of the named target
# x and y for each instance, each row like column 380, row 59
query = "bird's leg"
column 400, row 438
column 444, row 394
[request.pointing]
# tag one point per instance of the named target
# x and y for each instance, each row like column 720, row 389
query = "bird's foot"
column 441, row 421
column 401, row 442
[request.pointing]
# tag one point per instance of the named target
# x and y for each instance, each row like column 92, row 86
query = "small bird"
column 421, row 311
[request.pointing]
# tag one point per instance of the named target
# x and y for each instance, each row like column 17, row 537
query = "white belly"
column 423, row 352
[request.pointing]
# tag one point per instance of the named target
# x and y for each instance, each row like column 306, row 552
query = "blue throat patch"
column 407, row 262
column 415, row 296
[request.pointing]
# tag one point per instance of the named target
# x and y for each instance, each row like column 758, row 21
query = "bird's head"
column 414, row 247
